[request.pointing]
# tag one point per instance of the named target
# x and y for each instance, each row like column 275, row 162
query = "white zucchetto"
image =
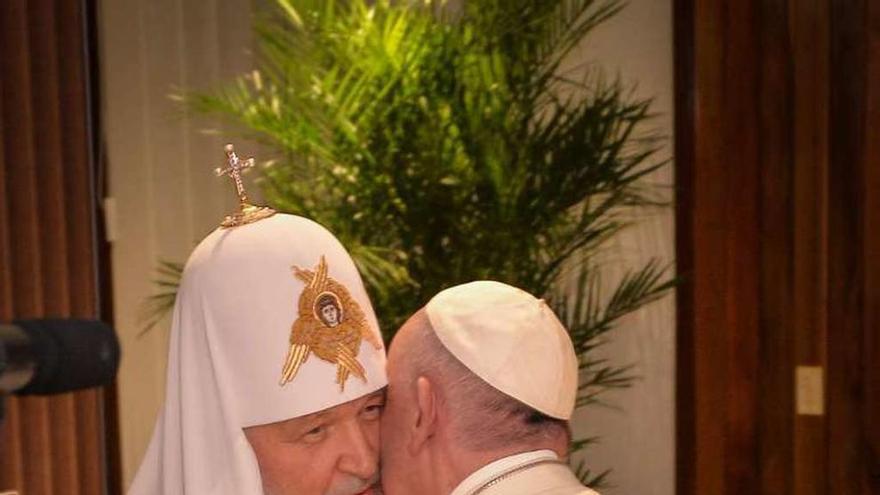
column 510, row 339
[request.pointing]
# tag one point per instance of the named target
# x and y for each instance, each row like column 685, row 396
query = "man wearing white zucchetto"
column 482, row 384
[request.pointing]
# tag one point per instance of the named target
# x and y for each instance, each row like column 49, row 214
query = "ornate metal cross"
column 234, row 168
column 247, row 213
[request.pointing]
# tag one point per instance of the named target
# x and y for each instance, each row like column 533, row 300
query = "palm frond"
column 157, row 306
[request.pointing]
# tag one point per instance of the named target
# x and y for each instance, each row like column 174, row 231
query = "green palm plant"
column 444, row 144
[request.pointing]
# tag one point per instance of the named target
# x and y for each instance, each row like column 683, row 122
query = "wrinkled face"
column 330, row 315
column 332, row 452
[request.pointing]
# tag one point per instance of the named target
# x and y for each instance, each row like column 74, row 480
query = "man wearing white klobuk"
column 276, row 370
column 481, row 385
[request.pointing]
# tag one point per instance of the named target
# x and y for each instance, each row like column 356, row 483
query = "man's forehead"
column 337, row 409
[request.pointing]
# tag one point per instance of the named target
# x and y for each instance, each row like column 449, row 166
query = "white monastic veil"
column 229, row 338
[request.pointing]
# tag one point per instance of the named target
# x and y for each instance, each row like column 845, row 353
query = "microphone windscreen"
column 70, row 355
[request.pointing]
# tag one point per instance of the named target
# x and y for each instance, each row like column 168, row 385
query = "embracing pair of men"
column 278, row 382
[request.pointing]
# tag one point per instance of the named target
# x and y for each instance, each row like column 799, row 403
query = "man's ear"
column 426, row 415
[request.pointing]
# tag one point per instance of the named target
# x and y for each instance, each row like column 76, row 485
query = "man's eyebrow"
column 327, row 412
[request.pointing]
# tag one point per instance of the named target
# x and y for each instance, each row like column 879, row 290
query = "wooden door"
column 778, row 220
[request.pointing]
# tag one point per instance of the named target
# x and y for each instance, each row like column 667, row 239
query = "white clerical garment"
column 530, row 473
column 238, row 300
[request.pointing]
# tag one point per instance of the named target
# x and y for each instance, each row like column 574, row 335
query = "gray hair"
column 483, row 417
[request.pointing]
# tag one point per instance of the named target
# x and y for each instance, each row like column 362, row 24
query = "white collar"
column 499, row 467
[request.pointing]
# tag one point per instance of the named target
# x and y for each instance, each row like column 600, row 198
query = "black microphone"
column 53, row 356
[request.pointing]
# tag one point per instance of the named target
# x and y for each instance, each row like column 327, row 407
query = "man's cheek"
column 373, row 433
column 297, row 471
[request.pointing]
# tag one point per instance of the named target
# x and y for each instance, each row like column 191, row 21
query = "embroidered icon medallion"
column 330, row 324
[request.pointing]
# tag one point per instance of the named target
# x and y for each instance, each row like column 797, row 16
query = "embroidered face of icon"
column 330, row 325
column 328, row 309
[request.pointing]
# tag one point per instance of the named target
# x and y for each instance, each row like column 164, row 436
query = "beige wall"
column 160, row 169
column 637, row 431
column 166, row 199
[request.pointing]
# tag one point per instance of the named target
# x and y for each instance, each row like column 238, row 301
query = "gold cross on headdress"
column 247, row 213
column 234, row 168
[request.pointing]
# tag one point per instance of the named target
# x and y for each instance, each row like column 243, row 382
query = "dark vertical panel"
column 31, row 415
column 21, row 181
column 719, row 249
column 871, row 258
column 709, row 263
column 100, row 412
column 5, row 275
column 810, row 27
column 53, row 243
column 11, row 465
column 776, row 356
column 50, row 445
column 845, row 240
column 685, row 386
column 79, row 206
column 741, row 158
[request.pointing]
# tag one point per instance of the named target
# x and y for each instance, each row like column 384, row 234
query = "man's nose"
column 360, row 456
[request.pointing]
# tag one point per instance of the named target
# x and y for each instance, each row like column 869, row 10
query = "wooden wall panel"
column 871, row 193
column 852, row 367
column 778, row 159
column 810, row 41
column 844, row 236
column 775, row 356
column 48, row 265
column 733, row 160
column 686, row 340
